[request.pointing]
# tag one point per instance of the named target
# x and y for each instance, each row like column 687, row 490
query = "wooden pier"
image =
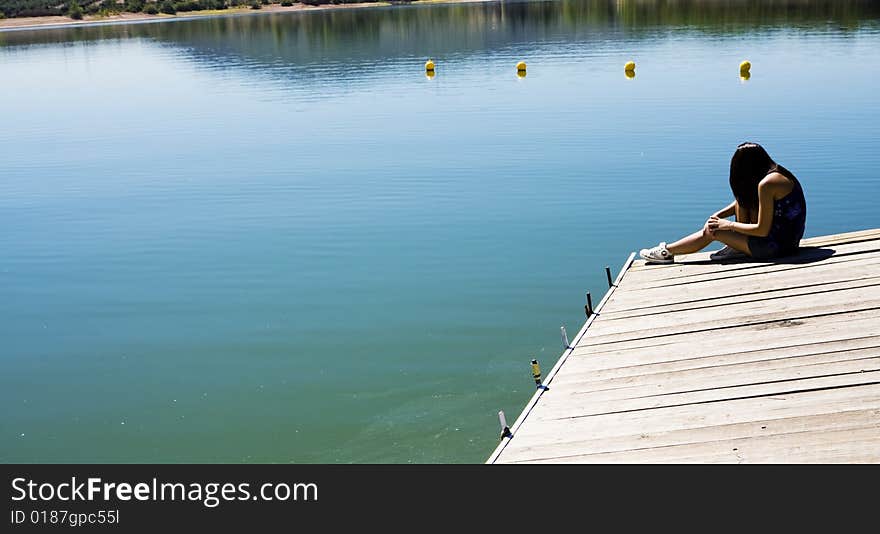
column 742, row 361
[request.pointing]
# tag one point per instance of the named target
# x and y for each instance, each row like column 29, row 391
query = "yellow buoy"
column 429, row 74
column 520, row 74
column 745, row 66
column 630, row 74
column 521, row 66
column 744, row 75
column 630, row 66
column 429, row 65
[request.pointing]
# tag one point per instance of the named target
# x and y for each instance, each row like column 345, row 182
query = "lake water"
column 273, row 238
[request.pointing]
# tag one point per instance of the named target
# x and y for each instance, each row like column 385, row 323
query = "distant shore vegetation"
column 731, row 15
column 76, row 9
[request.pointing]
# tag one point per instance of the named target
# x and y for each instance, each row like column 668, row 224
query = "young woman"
column 770, row 213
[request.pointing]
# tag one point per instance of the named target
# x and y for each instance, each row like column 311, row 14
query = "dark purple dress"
column 789, row 220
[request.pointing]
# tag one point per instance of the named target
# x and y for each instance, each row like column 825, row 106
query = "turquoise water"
column 272, row 238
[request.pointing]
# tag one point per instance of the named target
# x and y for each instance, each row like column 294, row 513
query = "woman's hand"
column 715, row 224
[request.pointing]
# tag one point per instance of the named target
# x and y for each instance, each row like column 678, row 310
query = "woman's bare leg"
column 733, row 240
column 700, row 240
column 745, row 216
column 692, row 243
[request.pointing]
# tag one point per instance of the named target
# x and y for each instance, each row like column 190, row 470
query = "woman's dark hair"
column 748, row 166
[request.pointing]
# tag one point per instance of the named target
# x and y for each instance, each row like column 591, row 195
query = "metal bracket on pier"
column 589, row 307
column 505, row 430
column 608, row 275
column 565, row 344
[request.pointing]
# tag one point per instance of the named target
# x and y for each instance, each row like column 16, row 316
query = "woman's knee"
column 708, row 234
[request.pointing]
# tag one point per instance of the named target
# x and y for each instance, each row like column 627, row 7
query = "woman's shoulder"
column 776, row 178
column 777, row 183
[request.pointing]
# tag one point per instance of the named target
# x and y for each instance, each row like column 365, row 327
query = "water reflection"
column 327, row 45
column 386, row 32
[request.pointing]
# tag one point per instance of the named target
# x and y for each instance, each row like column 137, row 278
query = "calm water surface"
column 273, row 239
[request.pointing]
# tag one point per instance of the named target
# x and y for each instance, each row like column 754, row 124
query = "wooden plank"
column 721, row 301
column 607, row 334
column 787, row 361
column 846, row 237
column 570, row 406
column 851, row 445
column 847, row 325
column 839, row 240
column 820, row 241
column 753, row 275
column 640, row 270
column 705, row 423
column 704, row 333
column 850, row 419
column 851, row 324
column 716, row 286
column 718, row 378
column 669, row 275
column 819, row 279
column 544, row 427
column 610, row 368
column 740, row 312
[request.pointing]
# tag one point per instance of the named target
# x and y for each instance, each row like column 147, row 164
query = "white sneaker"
column 727, row 253
column 658, row 254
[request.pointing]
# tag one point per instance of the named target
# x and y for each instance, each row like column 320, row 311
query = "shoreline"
column 61, row 21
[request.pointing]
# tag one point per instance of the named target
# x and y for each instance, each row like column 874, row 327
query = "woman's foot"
column 727, row 253
column 658, row 254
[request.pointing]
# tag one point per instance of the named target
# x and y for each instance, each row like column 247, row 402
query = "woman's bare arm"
column 771, row 187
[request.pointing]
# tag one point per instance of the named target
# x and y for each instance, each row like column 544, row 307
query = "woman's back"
column 789, row 215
